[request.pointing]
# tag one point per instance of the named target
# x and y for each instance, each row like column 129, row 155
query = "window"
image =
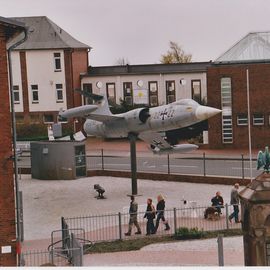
column 170, row 91
column 227, row 129
column 226, row 104
column 110, row 90
column 242, row 120
column 196, row 90
column 153, row 94
column 59, row 92
column 34, row 88
column 87, row 88
column 128, row 93
column 16, row 94
column 258, row 119
column 57, row 61
column 48, row 118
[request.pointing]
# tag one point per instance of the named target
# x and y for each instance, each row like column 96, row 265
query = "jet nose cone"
column 204, row 112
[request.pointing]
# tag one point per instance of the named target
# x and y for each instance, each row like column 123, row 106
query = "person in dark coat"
column 235, row 204
column 150, row 214
column 160, row 213
column 218, row 202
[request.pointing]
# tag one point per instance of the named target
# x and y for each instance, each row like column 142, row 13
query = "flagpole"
column 249, row 129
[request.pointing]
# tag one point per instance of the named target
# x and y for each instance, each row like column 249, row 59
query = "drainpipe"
column 14, row 136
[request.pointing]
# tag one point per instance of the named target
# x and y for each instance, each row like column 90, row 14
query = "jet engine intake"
column 144, row 115
column 137, row 118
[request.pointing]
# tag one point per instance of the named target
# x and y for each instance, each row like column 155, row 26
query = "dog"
column 211, row 213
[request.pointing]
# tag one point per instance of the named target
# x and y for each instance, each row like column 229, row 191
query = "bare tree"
column 122, row 61
column 175, row 55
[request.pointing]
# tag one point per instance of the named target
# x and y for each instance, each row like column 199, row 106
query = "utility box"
column 58, row 160
column 255, row 206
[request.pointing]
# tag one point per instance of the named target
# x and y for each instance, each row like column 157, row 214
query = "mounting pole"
column 133, row 162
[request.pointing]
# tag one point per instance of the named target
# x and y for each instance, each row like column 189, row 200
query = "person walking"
column 160, row 213
column 150, row 214
column 133, row 212
column 235, row 203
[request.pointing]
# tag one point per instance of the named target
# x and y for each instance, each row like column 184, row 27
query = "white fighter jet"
column 146, row 123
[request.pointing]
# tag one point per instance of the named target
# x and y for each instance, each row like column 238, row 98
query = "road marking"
column 181, row 166
column 240, row 168
column 108, row 164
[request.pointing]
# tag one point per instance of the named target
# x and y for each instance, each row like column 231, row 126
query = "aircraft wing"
column 89, row 112
column 160, row 146
column 103, row 117
column 81, row 111
column 155, row 140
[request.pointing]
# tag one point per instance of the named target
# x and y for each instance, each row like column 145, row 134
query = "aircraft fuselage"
column 162, row 118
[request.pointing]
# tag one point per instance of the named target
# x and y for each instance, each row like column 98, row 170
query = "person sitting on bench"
column 218, row 202
column 100, row 190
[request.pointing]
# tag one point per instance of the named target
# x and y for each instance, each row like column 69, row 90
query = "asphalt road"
column 159, row 164
column 220, row 167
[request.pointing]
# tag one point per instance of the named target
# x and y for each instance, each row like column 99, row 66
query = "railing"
column 46, row 258
column 192, row 164
column 109, row 227
column 195, row 164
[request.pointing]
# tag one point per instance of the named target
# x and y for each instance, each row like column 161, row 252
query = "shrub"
column 186, row 233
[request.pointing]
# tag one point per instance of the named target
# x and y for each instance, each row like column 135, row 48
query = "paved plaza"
column 45, row 201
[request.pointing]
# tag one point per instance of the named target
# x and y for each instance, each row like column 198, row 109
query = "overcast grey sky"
column 140, row 30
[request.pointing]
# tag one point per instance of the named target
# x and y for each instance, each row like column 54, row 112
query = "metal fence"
column 47, row 258
column 185, row 164
column 195, row 164
column 109, row 227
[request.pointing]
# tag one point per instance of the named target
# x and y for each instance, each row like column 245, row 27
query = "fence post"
column 168, row 159
column 102, row 160
column 220, row 250
column 204, row 165
column 243, row 168
column 120, row 226
column 227, row 216
column 175, row 220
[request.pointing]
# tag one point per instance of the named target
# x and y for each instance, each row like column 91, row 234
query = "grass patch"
column 137, row 244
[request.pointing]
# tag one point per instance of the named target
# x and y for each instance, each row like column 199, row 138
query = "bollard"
column 220, row 250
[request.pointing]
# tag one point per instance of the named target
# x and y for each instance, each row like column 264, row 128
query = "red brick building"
column 227, row 90
column 8, row 30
